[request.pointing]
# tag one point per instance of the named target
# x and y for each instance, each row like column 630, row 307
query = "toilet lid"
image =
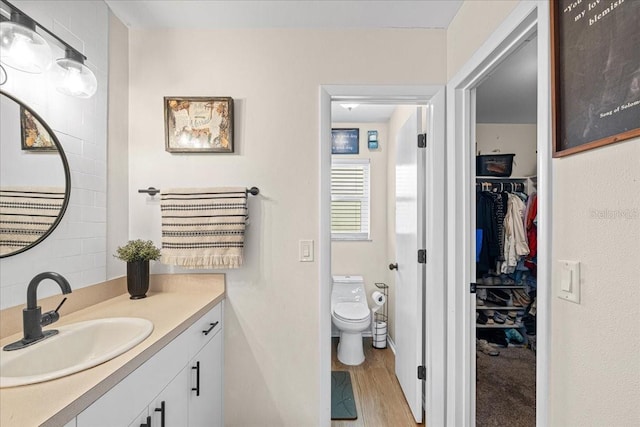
column 351, row 310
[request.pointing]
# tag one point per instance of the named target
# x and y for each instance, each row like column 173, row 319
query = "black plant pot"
column 138, row 279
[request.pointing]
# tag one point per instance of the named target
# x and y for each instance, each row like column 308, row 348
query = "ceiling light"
column 73, row 77
column 21, row 47
column 349, row 106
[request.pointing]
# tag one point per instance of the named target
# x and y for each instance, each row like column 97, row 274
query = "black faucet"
column 32, row 318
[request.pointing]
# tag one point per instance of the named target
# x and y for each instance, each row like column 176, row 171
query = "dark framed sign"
column 595, row 64
column 198, row 124
column 345, row 141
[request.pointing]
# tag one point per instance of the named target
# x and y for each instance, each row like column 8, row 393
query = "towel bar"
column 152, row 191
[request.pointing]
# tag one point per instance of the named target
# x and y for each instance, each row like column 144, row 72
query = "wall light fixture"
column 23, row 48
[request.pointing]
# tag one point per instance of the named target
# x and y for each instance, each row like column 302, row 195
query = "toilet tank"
column 347, row 289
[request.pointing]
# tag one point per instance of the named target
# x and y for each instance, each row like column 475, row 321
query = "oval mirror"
column 35, row 181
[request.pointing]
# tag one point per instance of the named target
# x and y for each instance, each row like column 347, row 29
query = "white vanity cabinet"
column 184, row 377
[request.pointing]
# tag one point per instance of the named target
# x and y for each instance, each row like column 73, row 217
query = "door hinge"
column 422, row 373
column 422, row 256
column 472, row 287
column 422, row 140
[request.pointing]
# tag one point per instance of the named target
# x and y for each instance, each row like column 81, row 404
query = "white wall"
column 76, row 248
column 595, row 346
column 368, row 258
column 271, row 341
column 518, row 139
column 118, row 146
column 470, row 28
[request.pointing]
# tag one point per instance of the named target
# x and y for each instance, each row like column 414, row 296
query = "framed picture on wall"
column 595, row 73
column 34, row 136
column 345, row 141
column 198, row 124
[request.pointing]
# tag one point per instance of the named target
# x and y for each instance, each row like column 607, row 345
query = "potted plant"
column 137, row 254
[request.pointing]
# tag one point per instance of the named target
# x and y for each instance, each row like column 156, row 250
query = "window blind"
column 350, row 199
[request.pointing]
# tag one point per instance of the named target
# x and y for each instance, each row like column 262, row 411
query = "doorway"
column 522, row 25
column 433, row 353
column 506, row 246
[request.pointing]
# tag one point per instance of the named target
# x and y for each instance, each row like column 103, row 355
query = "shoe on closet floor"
column 486, row 348
column 514, row 337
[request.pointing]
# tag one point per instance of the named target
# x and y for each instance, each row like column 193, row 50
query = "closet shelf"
column 499, row 326
column 499, row 287
column 497, row 307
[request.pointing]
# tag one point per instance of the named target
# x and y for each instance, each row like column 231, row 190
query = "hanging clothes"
column 532, row 233
column 486, row 221
column 515, row 238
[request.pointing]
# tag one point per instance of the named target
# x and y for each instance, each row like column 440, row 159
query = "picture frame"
column 595, row 78
column 372, row 139
column 198, row 124
column 33, row 135
column 345, row 141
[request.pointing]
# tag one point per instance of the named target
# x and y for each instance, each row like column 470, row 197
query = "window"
column 350, row 199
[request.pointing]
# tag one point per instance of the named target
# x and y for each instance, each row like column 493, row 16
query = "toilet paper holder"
column 380, row 316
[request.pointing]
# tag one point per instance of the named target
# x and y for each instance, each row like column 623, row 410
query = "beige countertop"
column 173, row 303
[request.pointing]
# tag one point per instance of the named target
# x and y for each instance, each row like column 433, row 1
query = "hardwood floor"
column 379, row 399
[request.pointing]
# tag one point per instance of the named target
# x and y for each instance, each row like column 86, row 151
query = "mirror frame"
column 67, row 177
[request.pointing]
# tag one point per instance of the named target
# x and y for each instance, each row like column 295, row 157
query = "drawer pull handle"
column 161, row 410
column 197, row 387
column 212, row 325
column 148, row 424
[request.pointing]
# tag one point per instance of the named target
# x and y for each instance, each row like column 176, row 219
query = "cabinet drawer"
column 201, row 332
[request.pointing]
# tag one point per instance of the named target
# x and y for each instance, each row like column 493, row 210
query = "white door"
column 409, row 273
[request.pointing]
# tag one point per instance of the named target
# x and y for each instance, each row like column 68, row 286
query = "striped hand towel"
column 26, row 213
column 203, row 227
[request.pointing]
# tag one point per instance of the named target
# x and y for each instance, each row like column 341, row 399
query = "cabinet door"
column 205, row 400
column 170, row 407
column 141, row 420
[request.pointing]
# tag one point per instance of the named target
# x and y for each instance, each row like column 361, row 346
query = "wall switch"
column 569, row 281
column 306, row 250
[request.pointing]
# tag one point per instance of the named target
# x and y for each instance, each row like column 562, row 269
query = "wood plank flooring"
column 379, row 399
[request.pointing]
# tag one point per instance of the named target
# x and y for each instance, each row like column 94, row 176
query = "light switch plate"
column 569, row 288
column 306, row 250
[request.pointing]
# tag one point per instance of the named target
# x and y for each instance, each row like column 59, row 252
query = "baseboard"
column 391, row 344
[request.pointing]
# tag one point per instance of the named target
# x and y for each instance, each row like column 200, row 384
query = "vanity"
column 172, row 378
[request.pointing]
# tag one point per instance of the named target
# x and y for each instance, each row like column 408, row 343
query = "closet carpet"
column 379, row 399
column 506, row 388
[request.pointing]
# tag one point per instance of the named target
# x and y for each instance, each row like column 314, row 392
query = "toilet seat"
column 351, row 311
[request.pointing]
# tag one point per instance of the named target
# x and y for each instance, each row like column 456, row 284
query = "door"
column 205, row 398
column 409, row 273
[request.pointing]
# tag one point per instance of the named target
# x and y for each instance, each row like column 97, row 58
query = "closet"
column 506, row 250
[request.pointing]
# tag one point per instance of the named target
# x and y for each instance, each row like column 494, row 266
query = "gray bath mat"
column 343, row 405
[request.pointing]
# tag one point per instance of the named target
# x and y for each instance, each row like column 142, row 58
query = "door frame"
column 527, row 18
column 435, row 345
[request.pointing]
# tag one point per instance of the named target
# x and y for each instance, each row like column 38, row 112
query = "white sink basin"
column 77, row 347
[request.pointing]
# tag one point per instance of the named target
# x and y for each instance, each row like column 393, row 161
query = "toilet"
column 351, row 315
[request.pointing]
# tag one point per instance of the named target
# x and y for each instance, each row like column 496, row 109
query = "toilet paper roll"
column 378, row 298
column 379, row 334
column 380, row 327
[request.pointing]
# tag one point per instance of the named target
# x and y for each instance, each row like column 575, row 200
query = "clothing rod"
column 152, row 191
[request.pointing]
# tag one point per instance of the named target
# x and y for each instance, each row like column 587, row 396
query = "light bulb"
column 74, row 78
column 21, row 47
